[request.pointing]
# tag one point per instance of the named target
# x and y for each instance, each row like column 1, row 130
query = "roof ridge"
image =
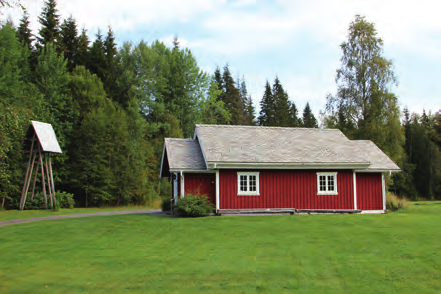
column 265, row 127
column 179, row 139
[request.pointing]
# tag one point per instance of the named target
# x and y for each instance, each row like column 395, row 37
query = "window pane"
column 330, row 183
column 322, row 183
column 252, row 183
column 243, row 183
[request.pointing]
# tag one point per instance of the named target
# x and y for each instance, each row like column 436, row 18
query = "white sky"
column 296, row 40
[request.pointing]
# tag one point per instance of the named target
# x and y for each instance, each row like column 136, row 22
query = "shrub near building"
column 193, row 206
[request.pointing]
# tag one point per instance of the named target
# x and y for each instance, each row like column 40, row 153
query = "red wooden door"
column 203, row 184
column 369, row 191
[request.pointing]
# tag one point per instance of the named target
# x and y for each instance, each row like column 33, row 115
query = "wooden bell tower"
column 41, row 141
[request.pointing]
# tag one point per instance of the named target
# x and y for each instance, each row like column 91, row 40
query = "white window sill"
column 247, row 194
column 327, row 193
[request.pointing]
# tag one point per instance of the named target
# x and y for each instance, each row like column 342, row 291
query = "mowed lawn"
column 393, row 253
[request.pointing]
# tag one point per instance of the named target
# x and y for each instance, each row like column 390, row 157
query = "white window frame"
column 248, row 193
column 327, row 192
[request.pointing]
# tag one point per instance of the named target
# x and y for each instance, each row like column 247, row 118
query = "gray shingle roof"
column 184, row 154
column 254, row 144
column 273, row 145
column 377, row 158
column 248, row 144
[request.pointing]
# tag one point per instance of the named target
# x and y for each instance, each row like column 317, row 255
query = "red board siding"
column 369, row 191
column 286, row 189
column 204, row 184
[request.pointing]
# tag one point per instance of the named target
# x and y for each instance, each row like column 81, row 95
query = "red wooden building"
column 255, row 168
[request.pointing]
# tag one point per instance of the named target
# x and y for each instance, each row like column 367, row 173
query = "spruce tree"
column 97, row 62
column 232, row 98
column 294, row 120
column 220, row 83
column 25, row 37
column 281, row 104
column 24, row 33
column 68, row 42
column 249, row 111
column 50, row 23
column 267, row 108
column 110, row 76
column 309, row 120
column 82, row 56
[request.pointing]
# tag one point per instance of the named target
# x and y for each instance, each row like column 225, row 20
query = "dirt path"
column 18, row 221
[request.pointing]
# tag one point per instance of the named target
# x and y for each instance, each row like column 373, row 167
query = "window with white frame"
column 327, row 184
column 248, row 183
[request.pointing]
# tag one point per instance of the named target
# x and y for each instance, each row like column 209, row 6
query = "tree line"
column 112, row 106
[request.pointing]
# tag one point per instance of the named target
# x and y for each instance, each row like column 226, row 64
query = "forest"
column 111, row 107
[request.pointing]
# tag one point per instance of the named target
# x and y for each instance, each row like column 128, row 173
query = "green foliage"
column 19, row 101
column 294, row 120
column 97, row 58
column 111, row 51
column 65, row 200
column 267, row 108
column 364, row 107
column 282, row 105
column 422, row 162
column 50, row 22
column 12, row 58
column 86, row 90
column 69, row 42
column 232, row 98
column 166, row 204
column 52, row 79
column 276, row 109
column 24, row 33
column 82, row 56
column 37, row 202
column 213, row 109
column 193, row 206
column 309, row 120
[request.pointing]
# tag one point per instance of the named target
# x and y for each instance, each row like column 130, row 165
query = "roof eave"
column 287, row 165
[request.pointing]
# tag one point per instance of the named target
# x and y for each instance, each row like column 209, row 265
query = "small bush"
column 64, row 200
column 393, row 203
column 193, row 206
column 166, row 204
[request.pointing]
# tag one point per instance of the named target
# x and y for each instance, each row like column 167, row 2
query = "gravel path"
column 18, row 221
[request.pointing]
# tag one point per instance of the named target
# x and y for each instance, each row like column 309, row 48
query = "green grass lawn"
column 394, row 253
column 7, row 215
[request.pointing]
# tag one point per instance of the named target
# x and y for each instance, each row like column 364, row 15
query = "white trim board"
column 354, row 182
column 372, row 211
column 285, row 166
column 376, row 171
column 182, row 184
column 217, row 191
column 383, row 190
column 194, row 171
column 162, row 161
